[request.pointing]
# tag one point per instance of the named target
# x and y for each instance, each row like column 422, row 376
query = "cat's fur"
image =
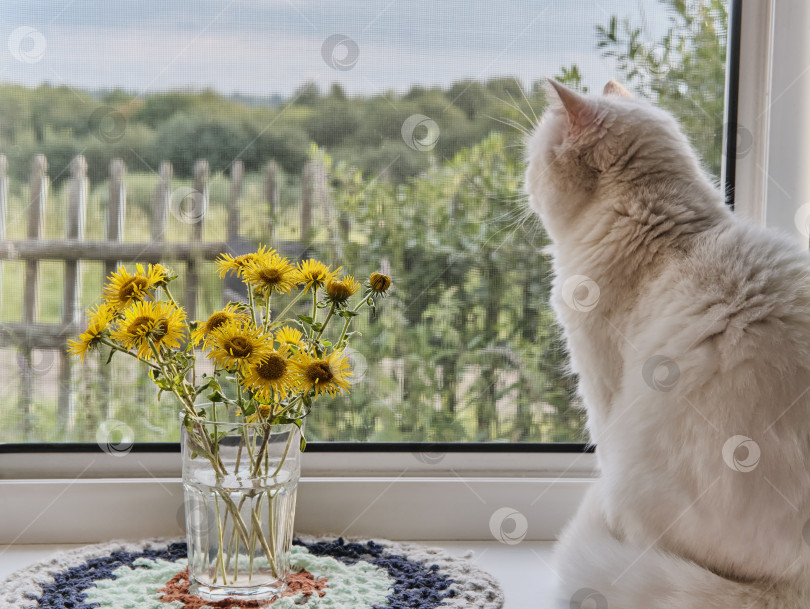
column 700, row 333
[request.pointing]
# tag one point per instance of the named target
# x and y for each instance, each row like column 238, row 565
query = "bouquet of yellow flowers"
column 278, row 364
column 239, row 510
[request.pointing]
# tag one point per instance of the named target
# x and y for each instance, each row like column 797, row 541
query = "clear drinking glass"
column 240, row 507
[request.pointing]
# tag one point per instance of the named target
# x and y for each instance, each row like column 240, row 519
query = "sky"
column 271, row 47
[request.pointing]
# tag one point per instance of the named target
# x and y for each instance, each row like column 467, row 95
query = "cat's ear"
column 580, row 110
column 616, row 90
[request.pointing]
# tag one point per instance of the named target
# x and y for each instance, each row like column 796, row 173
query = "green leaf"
column 215, row 396
column 164, row 384
column 347, row 313
column 303, row 443
column 305, row 318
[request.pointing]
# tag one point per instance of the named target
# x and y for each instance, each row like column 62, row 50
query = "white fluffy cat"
column 690, row 331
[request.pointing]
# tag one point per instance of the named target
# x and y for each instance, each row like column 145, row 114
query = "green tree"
column 683, row 72
column 465, row 348
column 572, row 77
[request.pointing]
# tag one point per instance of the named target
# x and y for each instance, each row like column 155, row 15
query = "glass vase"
column 240, row 482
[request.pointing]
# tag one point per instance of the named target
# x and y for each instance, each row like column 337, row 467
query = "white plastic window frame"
column 425, row 494
column 772, row 185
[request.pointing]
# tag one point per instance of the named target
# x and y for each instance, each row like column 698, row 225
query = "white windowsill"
column 524, row 570
column 393, row 496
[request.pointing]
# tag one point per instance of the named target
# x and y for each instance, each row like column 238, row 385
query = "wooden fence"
column 30, row 334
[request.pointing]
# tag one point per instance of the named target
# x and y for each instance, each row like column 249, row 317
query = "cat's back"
column 738, row 291
column 714, row 409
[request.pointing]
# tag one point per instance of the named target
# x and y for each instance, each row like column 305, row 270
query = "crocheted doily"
column 328, row 573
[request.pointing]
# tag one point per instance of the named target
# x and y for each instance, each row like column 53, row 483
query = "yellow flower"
column 236, row 264
column 288, row 335
column 379, row 283
column 272, row 378
column 231, row 312
column 160, row 274
column 237, row 345
column 316, row 273
column 270, row 273
column 262, row 412
column 123, row 287
column 338, row 291
column 329, row 374
column 96, row 325
column 161, row 322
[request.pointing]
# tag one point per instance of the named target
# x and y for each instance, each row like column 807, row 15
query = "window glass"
column 374, row 135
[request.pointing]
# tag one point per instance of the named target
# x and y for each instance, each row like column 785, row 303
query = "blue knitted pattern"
column 66, row 591
column 417, row 586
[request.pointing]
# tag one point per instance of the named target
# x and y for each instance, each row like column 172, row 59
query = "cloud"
column 272, row 46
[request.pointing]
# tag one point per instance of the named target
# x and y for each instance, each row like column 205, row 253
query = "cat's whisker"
column 528, row 103
column 515, row 196
column 509, row 123
column 523, row 216
column 519, row 109
column 496, row 233
column 506, row 214
column 515, row 106
column 508, row 237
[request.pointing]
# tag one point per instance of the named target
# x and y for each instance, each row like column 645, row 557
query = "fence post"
column 234, row 218
column 116, row 207
column 3, row 208
column 271, row 192
column 116, row 210
column 326, row 209
column 36, row 218
column 201, row 173
column 307, row 201
column 315, row 196
column 196, row 218
column 71, row 308
column 160, row 205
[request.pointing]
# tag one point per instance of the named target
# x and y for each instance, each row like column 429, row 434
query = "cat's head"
column 592, row 149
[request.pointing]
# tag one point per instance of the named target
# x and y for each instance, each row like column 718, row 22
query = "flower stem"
column 112, row 345
column 169, row 294
column 284, row 456
column 349, row 321
column 314, row 311
column 267, row 311
column 291, row 304
column 221, row 562
column 289, row 407
column 326, row 321
column 257, row 466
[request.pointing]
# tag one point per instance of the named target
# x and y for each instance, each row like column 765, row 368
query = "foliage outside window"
column 466, row 349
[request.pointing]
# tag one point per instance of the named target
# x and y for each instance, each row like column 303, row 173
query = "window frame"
column 379, row 488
